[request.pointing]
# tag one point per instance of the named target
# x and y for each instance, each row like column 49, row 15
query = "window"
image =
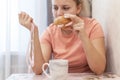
column 14, row 38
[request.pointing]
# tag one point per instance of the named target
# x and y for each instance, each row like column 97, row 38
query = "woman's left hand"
column 77, row 23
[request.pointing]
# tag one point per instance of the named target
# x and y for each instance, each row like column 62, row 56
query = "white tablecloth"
column 71, row 76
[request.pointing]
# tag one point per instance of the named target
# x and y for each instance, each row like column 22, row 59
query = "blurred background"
column 14, row 38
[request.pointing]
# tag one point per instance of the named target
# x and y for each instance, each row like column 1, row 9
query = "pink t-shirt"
column 70, row 47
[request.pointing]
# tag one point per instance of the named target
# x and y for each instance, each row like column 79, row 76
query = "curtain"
column 14, row 38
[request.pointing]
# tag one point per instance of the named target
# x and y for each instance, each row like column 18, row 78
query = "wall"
column 107, row 12
column 49, row 12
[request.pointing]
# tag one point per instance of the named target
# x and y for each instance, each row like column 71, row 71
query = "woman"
column 82, row 42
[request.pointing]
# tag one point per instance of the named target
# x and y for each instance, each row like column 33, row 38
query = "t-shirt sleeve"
column 96, row 30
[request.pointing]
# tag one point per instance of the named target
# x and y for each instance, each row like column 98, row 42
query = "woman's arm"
column 95, row 53
column 95, row 49
column 41, row 52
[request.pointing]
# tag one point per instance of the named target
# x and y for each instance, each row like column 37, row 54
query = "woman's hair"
column 85, row 7
column 78, row 2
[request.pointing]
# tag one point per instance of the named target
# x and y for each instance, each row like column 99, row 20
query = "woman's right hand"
column 25, row 20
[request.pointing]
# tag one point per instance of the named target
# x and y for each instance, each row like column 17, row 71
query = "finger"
column 69, row 24
column 60, row 25
column 26, row 17
column 20, row 18
column 78, row 26
column 23, row 14
column 72, row 17
column 20, row 15
column 30, row 19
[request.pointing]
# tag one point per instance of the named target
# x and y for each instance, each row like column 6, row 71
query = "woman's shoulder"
column 93, row 28
column 51, row 28
column 88, row 20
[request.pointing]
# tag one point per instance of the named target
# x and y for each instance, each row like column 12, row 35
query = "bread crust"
column 61, row 20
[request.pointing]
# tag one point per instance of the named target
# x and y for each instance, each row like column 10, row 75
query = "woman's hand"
column 25, row 20
column 77, row 23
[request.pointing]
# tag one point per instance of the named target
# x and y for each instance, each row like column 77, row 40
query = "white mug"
column 58, row 69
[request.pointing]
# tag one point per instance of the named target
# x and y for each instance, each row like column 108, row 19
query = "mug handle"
column 43, row 66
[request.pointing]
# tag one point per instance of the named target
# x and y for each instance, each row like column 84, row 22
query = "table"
column 71, row 76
